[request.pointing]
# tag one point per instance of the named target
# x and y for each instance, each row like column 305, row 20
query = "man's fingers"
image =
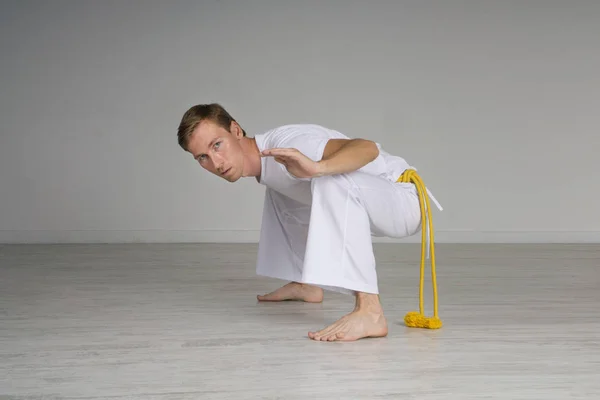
column 279, row 152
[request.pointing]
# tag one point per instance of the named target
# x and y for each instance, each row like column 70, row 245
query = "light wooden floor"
column 182, row 322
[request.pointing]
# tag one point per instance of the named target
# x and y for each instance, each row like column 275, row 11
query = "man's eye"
column 217, row 144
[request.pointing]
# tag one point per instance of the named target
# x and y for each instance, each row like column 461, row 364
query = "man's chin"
column 232, row 178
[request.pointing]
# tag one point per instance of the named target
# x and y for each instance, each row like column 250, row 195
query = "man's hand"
column 295, row 162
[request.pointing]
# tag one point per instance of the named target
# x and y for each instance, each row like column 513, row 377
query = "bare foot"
column 365, row 321
column 295, row 291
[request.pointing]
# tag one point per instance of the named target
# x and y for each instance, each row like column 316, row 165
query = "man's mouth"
column 226, row 171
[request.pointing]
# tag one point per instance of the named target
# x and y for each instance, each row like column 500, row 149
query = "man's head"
column 213, row 137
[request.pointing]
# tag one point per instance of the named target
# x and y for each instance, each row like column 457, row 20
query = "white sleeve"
column 308, row 140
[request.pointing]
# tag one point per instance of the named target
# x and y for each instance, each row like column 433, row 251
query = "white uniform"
column 318, row 231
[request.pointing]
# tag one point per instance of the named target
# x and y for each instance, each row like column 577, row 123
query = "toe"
column 315, row 336
column 338, row 335
column 269, row 297
column 327, row 331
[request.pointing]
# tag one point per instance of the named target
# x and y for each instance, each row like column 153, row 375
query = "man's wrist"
column 322, row 168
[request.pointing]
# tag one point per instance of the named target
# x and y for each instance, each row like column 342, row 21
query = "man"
column 326, row 195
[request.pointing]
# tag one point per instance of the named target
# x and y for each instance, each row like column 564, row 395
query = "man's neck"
column 252, row 157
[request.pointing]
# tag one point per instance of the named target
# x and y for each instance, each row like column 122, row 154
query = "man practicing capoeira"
column 326, row 196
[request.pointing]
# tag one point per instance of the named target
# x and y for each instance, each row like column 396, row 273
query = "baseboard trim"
column 252, row 236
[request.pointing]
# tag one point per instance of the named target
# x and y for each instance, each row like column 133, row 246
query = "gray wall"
column 495, row 102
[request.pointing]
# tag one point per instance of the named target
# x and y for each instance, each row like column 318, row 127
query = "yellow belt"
column 418, row 319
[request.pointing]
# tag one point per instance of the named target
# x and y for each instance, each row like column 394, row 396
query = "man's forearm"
column 348, row 156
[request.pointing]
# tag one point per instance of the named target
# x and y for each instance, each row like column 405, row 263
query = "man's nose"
column 218, row 161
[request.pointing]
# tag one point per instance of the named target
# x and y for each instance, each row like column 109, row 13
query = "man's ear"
column 236, row 130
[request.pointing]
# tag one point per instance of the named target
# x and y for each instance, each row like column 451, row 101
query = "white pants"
column 328, row 243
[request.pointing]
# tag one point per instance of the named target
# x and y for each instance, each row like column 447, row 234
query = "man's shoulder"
column 300, row 131
column 298, row 128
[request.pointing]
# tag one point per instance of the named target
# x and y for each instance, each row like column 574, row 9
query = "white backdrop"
column 495, row 102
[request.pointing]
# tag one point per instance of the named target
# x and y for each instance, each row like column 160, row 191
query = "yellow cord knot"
column 418, row 319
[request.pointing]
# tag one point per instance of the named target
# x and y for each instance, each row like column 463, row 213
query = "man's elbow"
column 372, row 149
